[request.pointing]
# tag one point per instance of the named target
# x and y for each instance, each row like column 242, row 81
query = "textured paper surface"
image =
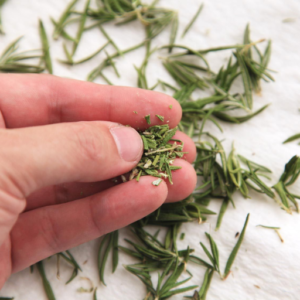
column 264, row 268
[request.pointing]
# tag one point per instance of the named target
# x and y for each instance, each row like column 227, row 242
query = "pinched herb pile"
column 158, row 154
column 223, row 176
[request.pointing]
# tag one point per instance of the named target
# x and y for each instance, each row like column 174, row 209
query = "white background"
column 263, row 260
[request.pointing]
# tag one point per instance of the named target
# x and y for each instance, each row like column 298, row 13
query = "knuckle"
column 61, row 194
column 94, row 219
column 10, row 207
column 49, row 232
column 89, row 141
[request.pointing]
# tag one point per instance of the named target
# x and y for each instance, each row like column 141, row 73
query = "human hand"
column 61, row 144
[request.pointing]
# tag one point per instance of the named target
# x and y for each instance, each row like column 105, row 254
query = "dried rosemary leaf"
column 292, row 138
column 288, row 177
column 45, row 47
column 1, row 26
column 215, row 252
column 46, row 283
column 83, row 60
column 147, row 118
column 174, row 29
column 98, row 70
column 201, row 295
column 235, row 249
column 95, row 294
column 103, row 255
column 65, row 15
column 71, row 260
column 246, row 79
column 111, row 41
column 11, row 60
column 222, row 212
column 115, row 243
column 81, row 26
column 276, row 229
column 268, row 227
column 190, row 24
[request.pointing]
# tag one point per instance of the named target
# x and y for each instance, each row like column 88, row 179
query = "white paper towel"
column 264, row 268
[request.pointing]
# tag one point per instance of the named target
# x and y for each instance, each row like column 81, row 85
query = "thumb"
column 34, row 157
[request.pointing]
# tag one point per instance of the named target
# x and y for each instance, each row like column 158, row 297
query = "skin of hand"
column 61, row 145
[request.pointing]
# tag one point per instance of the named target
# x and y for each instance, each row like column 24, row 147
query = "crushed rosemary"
column 159, row 154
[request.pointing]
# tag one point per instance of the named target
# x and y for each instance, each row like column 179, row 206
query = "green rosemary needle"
column 292, row 138
column 46, row 284
column 68, row 257
column 190, row 24
column 11, row 61
column 64, row 17
column 276, row 229
column 1, row 26
column 45, row 47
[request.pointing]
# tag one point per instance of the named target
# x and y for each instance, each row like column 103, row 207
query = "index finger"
column 32, row 100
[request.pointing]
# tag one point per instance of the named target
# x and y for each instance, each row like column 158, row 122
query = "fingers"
column 184, row 181
column 5, row 261
column 48, row 230
column 31, row 100
column 189, row 146
column 76, row 190
column 66, row 192
column 84, row 151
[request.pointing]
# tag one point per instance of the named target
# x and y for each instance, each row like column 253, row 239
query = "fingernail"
column 128, row 141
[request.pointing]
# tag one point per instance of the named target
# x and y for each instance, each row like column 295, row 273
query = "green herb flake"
column 160, row 117
column 157, row 182
column 147, row 118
